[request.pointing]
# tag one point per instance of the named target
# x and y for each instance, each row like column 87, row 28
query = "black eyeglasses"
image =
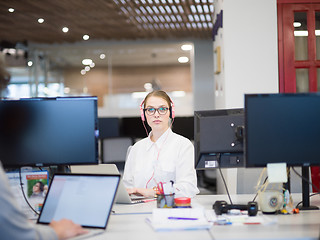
column 151, row 111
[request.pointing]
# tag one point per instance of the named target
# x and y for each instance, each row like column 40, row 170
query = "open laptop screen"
column 86, row 199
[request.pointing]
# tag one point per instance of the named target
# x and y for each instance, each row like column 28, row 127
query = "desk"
column 128, row 222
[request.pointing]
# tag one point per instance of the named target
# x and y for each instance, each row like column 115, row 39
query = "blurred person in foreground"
column 13, row 222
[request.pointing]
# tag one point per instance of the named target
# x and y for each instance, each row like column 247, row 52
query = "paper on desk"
column 160, row 222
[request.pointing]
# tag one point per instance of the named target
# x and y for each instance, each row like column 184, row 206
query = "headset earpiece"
column 172, row 114
column 142, row 111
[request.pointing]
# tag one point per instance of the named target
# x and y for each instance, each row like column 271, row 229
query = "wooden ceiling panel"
column 104, row 20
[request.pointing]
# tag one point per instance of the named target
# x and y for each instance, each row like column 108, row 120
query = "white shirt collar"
column 160, row 141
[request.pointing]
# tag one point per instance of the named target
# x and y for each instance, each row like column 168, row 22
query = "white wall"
column 249, row 45
column 250, row 49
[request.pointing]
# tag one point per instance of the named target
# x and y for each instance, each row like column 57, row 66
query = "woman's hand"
column 146, row 192
column 66, row 229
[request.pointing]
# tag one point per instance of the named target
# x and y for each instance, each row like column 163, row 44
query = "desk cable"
column 254, row 199
column 310, row 183
column 24, row 196
column 224, row 181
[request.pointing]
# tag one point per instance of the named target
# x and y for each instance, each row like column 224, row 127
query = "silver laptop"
column 70, row 196
column 122, row 195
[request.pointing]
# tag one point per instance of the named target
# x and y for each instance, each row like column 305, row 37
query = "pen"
column 182, row 218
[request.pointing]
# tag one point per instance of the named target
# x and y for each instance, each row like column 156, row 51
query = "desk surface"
column 129, row 222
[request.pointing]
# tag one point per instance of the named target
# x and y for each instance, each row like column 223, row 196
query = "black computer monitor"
column 48, row 131
column 218, row 138
column 109, row 127
column 283, row 128
column 133, row 127
column 184, row 126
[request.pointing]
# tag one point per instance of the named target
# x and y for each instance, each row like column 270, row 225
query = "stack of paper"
column 178, row 219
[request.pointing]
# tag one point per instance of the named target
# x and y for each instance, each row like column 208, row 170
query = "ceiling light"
column 87, row 68
column 102, row 56
column 147, row 86
column 178, row 93
column 183, row 59
column 30, row 63
column 86, row 61
column 85, row 37
column 302, row 33
column 190, row 17
column 83, row 72
column 92, row 64
column 40, row 20
column 193, row 9
column 11, row 10
column 65, row 29
column 297, row 24
column 186, row 47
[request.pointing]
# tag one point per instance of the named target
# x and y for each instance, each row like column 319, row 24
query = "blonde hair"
column 160, row 94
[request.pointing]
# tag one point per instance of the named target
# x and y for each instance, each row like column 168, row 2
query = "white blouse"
column 171, row 157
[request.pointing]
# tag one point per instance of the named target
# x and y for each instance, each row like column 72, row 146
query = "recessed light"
column 297, row 24
column 30, row 63
column 183, row 59
column 92, row 64
column 85, row 37
column 86, row 61
column 11, row 10
column 65, row 29
column 87, row 68
column 83, row 72
column 40, row 20
column 102, row 56
column 186, row 47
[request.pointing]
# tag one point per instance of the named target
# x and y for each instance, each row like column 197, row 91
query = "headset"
column 143, row 116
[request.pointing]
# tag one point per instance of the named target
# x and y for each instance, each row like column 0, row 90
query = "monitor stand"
column 306, row 191
column 63, row 169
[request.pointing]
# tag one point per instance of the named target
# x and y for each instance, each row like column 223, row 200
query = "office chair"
column 115, row 150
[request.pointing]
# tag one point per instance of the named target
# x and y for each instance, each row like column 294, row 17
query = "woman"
column 163, row 156
column 37, row 190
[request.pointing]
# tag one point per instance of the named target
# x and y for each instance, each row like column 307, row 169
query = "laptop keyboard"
column 91, row 232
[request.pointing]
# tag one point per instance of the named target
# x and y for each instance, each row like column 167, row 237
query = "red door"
column 299, row 50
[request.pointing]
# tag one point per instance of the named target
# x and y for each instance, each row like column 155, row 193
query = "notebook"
column 122, row 194
column 71, row 196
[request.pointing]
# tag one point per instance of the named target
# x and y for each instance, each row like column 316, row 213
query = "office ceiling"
column 113, row 21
